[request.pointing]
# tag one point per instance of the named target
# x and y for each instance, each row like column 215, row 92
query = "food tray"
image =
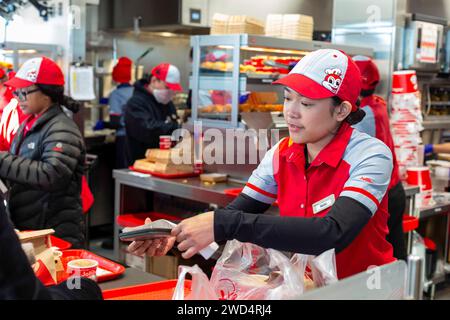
column 106, row 270
column 60, row 243
column 166, row 175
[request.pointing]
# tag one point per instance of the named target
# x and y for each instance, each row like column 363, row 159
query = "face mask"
column 163, row 96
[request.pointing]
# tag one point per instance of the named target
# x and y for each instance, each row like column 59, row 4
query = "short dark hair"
column 366, row 93
column 354, row 117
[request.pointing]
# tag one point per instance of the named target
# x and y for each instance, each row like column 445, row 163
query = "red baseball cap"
column 122, row 70
column 370, row 76
column 323, row 74
column 37, row 71
column 169, row 74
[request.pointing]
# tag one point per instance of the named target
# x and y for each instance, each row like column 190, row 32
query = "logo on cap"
column 31, row 75
column 333, row 79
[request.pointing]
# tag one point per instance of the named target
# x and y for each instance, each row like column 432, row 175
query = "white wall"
column 321, row 10
column 29, row 27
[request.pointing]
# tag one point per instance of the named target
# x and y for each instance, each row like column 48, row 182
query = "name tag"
column 323, row 204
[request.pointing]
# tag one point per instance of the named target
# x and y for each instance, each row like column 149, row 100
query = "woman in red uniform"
column 376, row 124
column 330, row 180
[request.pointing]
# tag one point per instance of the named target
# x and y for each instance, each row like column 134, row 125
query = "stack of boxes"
column 290, row 26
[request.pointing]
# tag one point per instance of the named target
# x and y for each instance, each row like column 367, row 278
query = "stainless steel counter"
column 189, row 188
column 411, row 190
column 437, row 209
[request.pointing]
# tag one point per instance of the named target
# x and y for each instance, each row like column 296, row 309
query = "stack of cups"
column 406, row 120
column 165, row 142
column 420, row 176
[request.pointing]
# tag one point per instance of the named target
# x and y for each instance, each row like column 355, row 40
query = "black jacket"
column 145, row 120
column 44, row 171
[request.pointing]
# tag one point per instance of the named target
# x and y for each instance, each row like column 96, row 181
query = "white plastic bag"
column 248, row 272
column 200, row 287
column 319, row 270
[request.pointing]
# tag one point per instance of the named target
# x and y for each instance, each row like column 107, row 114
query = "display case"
column 232, row 76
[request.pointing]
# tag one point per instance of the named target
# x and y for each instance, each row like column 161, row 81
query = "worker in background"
column 11, row 118
column 5, row 92
column 150, row 112
column 437, row 148
column 376, row 124
column 118, row 98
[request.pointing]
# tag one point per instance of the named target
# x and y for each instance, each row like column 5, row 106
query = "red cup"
column 198, row 167
column 419, row 176
column 165, row 142
column 404, row 81
column 86, row 268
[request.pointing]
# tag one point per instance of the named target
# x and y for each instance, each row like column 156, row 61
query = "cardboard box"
column 172, row 156
column 40, row 239
column 160, row 167
column 47, row 262
column 165, row 266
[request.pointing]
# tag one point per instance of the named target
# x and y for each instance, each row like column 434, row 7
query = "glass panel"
column 214, row 104
column 215, row 85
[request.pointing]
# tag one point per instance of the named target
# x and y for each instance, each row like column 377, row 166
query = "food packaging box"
column 167, row 168
column 48, row 264
column 213, row 177
column 40, row 239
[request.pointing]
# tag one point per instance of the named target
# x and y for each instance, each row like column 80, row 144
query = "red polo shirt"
column 354, row 165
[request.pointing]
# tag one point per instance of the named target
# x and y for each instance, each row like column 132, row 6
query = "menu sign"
column 428, row 41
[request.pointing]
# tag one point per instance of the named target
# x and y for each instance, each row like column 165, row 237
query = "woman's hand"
column 194, row 234
column 155, row 247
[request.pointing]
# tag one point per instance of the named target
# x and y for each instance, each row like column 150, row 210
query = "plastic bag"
column 248, row 272
column 200, row 287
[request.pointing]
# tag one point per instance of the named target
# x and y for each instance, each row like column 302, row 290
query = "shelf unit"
column 234, row 82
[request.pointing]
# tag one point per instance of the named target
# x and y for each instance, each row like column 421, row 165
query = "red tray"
column 165, row 175
column 410, row 223
column 233, row 191
column 108, row 265
column 60, row 243
column 162, row 290
column 236, row 191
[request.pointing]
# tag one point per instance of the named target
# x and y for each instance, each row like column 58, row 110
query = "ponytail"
column 56, row 94
column 355, row 116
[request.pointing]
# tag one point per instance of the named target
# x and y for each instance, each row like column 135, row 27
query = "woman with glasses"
column 44, row 166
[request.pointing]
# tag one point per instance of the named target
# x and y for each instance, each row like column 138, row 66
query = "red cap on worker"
column 122, row 70
column 370, row 76
column 37, row 71
column 323, row 74
column 169, row 74
column 11, row 75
